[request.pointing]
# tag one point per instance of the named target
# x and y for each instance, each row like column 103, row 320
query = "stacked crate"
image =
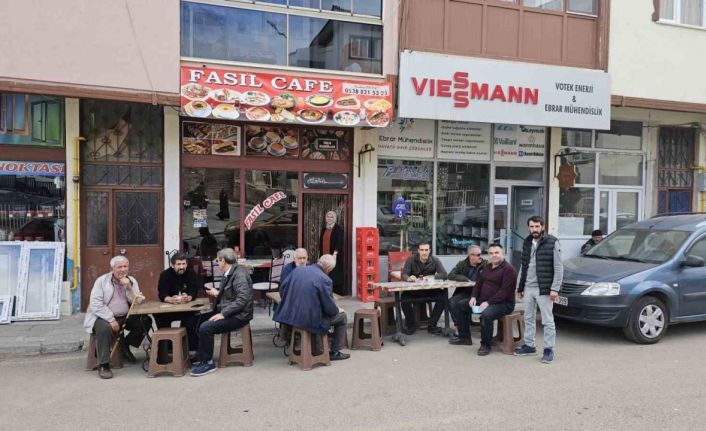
column 368, row 266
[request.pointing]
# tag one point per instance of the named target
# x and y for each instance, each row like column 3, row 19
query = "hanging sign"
column 284, row 98
column 400, row 207
column 328, row 181
column 407, row 137
column 258, row 209
column 200, row 218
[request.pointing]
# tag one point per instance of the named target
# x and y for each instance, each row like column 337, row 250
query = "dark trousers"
column 436, row 295
column 189, row 321
column 338, row 322
column 461, row 312
column 136, row 325
column 208, row 329
column 488, row 317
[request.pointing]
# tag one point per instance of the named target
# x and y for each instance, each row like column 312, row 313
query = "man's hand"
column 215, row 317
column 125, row 281
column 472, row 302
column 187, row 298
column 212, row 292
column 412, row 278
column 553, row 295
column 114, row 325
column 520, row 295
column 484, row 305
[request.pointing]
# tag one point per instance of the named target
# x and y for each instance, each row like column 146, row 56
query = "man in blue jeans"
column 232, row 310
column 495, row 292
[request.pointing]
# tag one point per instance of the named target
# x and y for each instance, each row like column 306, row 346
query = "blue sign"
column 400, row 207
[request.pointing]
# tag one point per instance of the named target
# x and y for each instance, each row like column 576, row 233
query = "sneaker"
column 409, row 330
column 104, row 372
column 548, row 356
column 195, row 363
column 458, row 341
column 435, row 330
column 338, row 356
column 483, row 350
column 525, row 350
column 127, row 354
column 203, row 369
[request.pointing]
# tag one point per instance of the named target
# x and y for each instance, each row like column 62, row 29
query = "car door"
column 692, row 282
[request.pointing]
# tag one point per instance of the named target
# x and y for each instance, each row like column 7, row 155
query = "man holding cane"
column 111, row 297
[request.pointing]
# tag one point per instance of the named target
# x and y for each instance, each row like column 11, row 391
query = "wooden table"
column 255, row 263
column 276, row 298
column 398, row 287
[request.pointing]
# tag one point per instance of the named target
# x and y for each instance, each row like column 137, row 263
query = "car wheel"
column 648, row 321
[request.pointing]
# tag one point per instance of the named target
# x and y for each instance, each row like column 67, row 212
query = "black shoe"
column 435, row 330
column 104, row 372
column 338, row 356
column 483, row 350
column 458, row 341
column 409, row 331
column 127, row 354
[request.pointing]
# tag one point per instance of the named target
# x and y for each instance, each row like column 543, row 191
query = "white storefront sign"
column 463, row 141
column 513, row 143
column 407, row 138
column 444, row 87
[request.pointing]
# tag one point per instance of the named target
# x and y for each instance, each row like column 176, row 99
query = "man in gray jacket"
column 111, row 297
column 232, row 310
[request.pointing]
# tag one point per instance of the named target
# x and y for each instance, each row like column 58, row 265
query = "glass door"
column 618, row 208
column 526, row 202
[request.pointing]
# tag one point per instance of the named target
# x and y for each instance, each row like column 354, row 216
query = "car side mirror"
column 693, row 261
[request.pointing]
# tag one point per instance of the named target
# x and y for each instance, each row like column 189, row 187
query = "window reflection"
column 32, row 208
column 576, row 211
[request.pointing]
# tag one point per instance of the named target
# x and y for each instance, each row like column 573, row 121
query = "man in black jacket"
column 232, row 310
column 423, row 266
column 468, row 269
column 178, row 285
column 540, row 283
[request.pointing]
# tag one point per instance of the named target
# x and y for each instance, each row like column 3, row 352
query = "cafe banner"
column 275, row 98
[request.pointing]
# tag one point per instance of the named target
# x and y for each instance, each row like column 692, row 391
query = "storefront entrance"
column 513, row 206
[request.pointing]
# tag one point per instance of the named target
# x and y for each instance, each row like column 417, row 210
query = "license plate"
column 562, row 300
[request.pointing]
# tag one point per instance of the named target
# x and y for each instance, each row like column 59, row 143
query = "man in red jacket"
column 495, row 291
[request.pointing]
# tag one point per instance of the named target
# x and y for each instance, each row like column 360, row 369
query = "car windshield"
column 640, row 245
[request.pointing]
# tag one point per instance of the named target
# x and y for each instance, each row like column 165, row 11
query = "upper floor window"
column 588, row 7
column 286, row 39
column 689, row 12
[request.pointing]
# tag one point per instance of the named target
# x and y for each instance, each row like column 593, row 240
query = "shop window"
column 32, row 207
column 336, row 5
column 367, row 7
column 557, row 5
column 620, row 169
column 576, row 138
column 13, row 113
column 588, row 7
column 623, row 135
column 462, row 207
column 211, row 218
column 585, row 164
column 31, row 120
column 519, row 173
column 271, row 217
column 576, row 211
column 310, row 4
column 411, row 180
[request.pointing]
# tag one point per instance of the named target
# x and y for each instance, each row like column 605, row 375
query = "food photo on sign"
column 326, row 144
column 262, row 97
column 205, row 138
column 272, row 141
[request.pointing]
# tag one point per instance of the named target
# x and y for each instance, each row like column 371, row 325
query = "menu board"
column 407, row 137
column 206, row 138
column 326, row 144
column 518, row 143
column 272, row 141
column 267, row 97
column 463, row 141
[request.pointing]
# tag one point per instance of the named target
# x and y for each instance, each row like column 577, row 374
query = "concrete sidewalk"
column 67, row 334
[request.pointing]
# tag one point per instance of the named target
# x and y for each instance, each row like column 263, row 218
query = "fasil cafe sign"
column 445, row 87
column 260, row 208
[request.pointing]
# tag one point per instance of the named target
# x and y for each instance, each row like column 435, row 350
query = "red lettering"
column 431, row 87
column 514, row 94
column 479, row 92
column 419, row 88
column 498, row 93
column 461, row 99
column 443, row 88
column 42, row 167
column 460, row 80
column 532, row 95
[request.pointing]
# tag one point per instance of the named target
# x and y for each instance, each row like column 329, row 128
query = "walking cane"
column 122, row 327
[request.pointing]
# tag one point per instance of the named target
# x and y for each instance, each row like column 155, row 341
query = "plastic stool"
column 387, row 314
column 180, row 352
column 361, row 339
column 505, row 338
column 302, row 353
column 116, row 361
column 242, row 355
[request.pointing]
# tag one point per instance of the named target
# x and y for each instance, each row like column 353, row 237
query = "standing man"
column 468, row 269
column 301, row 257
column 540, row 283
column 111, row 297
column 232, row 309
column 495, row 292
column 421, row 266
column 179, row 285
column 596, row 237
column 307, row 303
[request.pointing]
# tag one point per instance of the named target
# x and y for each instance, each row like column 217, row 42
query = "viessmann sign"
column 444, row 87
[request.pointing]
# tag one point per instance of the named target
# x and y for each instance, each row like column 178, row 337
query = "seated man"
column 421, row 266
column 232, row 309
column 495, row 291
column 307, row 303
column 469, row 269
column 300, row 258
column 111, row 297
column 596, row 237
column 179, row 285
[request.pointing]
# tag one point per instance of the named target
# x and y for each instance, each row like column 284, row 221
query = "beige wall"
column 92, row 43
column 390, row 37
column 652, row 60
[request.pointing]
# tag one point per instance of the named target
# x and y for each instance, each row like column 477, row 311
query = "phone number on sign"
column 358, row 90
